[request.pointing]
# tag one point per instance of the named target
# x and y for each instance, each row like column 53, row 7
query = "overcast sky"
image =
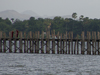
column 88, row 8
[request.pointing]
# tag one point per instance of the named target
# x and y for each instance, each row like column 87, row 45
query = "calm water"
column 49, row 64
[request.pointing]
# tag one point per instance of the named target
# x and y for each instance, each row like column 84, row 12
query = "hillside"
column 31, row 13
column 13, row 14
column 25, row 15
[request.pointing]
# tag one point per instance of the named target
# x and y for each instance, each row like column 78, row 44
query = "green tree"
column 12, row 19
column 58, row 24
column 74, row 16
column 81, row 18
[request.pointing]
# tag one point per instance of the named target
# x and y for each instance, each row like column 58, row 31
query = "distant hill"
column 14, row 14
column 52, row 17
column 24, row 15
column 31, row 13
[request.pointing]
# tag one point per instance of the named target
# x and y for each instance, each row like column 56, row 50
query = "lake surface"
column 49, row 64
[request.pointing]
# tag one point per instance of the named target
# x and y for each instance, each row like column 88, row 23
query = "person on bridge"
column 17, row 32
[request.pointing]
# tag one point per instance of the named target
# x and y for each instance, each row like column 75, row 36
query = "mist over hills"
column 25, row 15
column 31, row 13
column 51, row 17
column 13, row 14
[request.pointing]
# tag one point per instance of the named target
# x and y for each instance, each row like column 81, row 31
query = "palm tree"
column 12, row 19
column 74, row 15
column 81, row 18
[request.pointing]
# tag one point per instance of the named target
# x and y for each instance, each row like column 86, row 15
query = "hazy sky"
column 88, row 8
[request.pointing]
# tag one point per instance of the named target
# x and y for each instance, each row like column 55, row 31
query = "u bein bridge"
column 46, row 43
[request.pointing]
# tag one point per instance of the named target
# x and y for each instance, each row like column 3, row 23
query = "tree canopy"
column 58, row 24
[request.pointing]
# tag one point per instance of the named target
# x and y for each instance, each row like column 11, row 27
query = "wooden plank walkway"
column 51, row 44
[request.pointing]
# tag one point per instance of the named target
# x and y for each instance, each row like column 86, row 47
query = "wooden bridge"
column 50, row 44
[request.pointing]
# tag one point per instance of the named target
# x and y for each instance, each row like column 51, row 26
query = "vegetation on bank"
column 75, row 24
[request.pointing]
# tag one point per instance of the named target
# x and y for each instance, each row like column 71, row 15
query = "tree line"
column 59, row 24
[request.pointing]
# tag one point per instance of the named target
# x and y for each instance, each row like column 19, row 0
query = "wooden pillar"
column 31, row 43
column 38, row 36
column 36, row 43
column 27, row 37
column 66, row 43
column 63, row 46
column 69, row 43
column 95, row 43
column 20, row 42
column 42, row 42
column 4, row 41
column 25, row 43
column 58, row 43
column 10, row 42
column 15, row 43
column 0, row 41
column 53, row 42
column 82, row 43
column 47, row 43
column 75, row 47
column 98, row 42
column 88, row 43
column 77, row 44
column 47, row 46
